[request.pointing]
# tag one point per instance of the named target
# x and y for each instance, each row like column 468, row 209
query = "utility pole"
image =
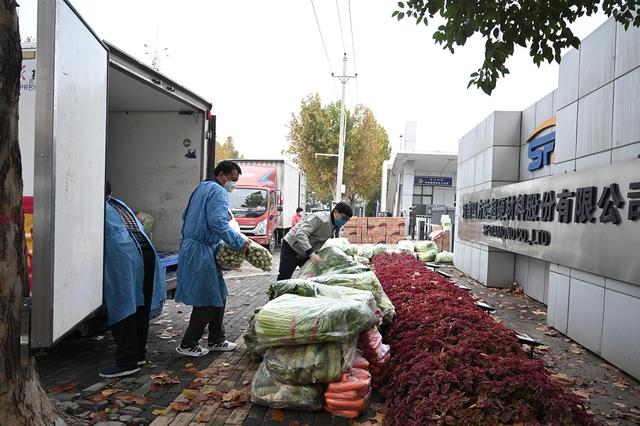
column 344, row 78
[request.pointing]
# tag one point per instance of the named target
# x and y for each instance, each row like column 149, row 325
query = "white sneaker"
column 196, row 351
column 225, row 346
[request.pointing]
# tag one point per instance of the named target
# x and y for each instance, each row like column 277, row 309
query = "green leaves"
column 541, row 26
column 315, row 129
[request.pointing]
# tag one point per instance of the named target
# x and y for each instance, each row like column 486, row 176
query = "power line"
column 344, row 48
column 324, row 46
column 353, row 47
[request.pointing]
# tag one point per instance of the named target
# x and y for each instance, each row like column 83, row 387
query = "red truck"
column 266, row 198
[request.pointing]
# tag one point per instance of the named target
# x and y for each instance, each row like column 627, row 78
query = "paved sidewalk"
column 70, row 370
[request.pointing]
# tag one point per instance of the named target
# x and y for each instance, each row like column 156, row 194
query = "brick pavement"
column 77, row 361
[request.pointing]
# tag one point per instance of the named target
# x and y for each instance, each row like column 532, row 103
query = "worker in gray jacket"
column 302, row 242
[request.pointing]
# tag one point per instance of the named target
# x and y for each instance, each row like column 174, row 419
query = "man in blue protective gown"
column 134, row 286
column 200, row 282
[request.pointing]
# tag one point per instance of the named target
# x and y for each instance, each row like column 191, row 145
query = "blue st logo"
column 540, row 150
column 541, row 147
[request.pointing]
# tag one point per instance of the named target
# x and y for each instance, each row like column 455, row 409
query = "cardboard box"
column 378, row 239
column 395, row 221
column 394, row 239
column 379, row 230
column 374, row 222
column 355, row 239
column 367, row 239
column 348, row 232
column 394, row 231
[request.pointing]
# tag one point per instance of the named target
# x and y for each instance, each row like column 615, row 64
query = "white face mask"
column 230, row 186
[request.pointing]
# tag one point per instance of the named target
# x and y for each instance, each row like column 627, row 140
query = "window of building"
column 422, row 195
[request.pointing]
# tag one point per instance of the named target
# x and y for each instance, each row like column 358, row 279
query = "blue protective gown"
column 124, row 269
column 200, row 283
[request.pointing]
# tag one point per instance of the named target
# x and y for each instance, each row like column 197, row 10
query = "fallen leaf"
column 619, row 404
column 139, row 400
column 278, row 415
column 552, row 333
column 180, row 406
column 246, row 382
column 294, row 423
column 97, row 398
column 539, row 312
column 195, row 385
column 583, row 394
column 234, row 398
column 189, row 393
column 379, row 417
column 163, row 379
column 159, row 412
column 109, row 392
column 620, row 385
column 202, row 418
column 188, row 365
column 62, row 388
column 563, row 379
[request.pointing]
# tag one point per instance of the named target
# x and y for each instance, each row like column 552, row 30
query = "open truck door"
column 69, row 168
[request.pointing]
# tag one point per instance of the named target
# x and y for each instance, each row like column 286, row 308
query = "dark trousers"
column 132, row 332
column 201, row 316
column 289, row 261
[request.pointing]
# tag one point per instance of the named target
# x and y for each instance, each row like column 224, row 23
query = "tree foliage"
column 227, row 150
column 315, row 129
column 541, row 26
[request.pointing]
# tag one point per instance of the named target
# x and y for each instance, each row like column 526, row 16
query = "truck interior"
column 154, row 148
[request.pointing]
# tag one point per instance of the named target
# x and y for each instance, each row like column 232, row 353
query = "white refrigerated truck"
column 89, row 112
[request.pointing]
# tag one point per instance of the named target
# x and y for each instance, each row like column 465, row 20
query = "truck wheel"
column 272, row 243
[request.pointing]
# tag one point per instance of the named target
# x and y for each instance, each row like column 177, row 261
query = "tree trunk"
column 22, row 398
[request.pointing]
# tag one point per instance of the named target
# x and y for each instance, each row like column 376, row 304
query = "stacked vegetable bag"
column 257, row 256
column 426, row 251
column 453, row 364
column 309, row 341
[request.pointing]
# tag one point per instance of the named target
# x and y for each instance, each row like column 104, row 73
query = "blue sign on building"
column 541, row 147
column 433, row 180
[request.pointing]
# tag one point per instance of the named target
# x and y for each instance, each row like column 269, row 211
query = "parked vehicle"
column 99, row 115
column 266, row 198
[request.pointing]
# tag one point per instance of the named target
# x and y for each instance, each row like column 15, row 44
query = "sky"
column 256, row 60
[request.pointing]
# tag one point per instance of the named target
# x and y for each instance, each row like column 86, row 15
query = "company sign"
column 586, row 220
column 541, row 145
column 433, row 180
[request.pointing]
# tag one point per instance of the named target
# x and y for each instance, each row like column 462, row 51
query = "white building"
column 426, row 180
column 549, row 197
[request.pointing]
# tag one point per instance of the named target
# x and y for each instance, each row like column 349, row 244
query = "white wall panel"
column 594, row 160
column 626, row 153
column 544, row 108
column 626, row 109
column 507, row 128
column 595, row 113
column 528, row 123
column 568, row 78
column 597, row 53
column 566, row 127
column 505, row 163
column 621, row 332
column 627, row 49
column 586, row 306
